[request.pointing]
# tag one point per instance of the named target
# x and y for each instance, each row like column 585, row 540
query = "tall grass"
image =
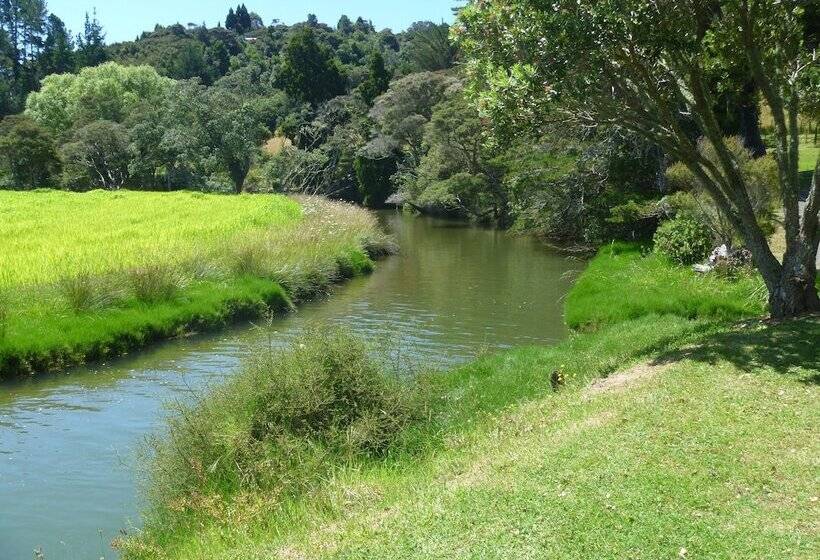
column 84, row 291
column 4, row 314
column 277, row 430
column 155, row 282
column 46, row 235
column 150, row 264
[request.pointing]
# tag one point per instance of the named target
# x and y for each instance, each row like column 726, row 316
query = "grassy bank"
column 86, row 276
column 667, row 435
column 625, row 282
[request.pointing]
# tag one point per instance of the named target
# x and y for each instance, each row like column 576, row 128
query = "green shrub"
column 373, row 175
column 28, row 155
column 760, row 179
column 250, row 258
column 683, row 240
column 280, row 426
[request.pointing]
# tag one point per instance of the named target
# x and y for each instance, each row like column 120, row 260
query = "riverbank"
column 656, row 435
column 94, row 275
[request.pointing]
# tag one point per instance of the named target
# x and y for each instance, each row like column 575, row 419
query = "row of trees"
column 241, row 21
column 35, row 44
column 112, row 126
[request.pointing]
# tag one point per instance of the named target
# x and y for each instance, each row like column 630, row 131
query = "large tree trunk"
column 795, row 293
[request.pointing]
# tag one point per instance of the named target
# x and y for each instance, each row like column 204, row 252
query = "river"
column 68, row 443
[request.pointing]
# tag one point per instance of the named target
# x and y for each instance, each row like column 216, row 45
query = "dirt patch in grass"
column 623, row 379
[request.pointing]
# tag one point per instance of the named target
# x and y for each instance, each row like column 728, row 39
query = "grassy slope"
column 622, row 284
column 713, row 454
column 224, row 256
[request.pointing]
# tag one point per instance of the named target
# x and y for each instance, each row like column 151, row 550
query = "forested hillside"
column 344, row 110
column 450, row 122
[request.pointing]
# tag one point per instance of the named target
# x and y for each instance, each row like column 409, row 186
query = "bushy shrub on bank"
column 279, row 427
column 683, row 240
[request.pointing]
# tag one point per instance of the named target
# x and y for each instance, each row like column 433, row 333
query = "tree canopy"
column 657, row 68
column 106, row 92
column 308, row 70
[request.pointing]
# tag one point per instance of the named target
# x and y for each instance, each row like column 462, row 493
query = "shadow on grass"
column 782, row 346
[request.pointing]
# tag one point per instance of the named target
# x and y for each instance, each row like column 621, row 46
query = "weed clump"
column 280, row 427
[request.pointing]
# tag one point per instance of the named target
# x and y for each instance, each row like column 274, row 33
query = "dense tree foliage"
column 657, row 68
column 106, row 92
column 97, row 156
column 28, row 154
column 308, row 70
column 377, row 81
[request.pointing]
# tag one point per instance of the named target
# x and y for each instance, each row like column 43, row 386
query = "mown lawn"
column 85, row 276
column 672, row 435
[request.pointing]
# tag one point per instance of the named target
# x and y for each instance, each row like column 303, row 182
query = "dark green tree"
column 308, row 71
column 243, row 20
column 345, row 26
column 375, row 165
column 28, row 156
column 22, row 23
column 377, row 81
column 218, row 59
column 97, row 156
column 373, row 176
column 6, row 75
column 91, row 44
column 230, row 20
column 223, row 131
column 363, row 25
column 428, row 46
column 58, row 49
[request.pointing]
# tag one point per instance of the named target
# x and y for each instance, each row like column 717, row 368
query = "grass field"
column 84, row 276
column 662, row 434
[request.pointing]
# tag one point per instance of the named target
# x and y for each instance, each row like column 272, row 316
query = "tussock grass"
column 95, row 274
column 83, row 291
column 154, row 282
column 276, row 431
